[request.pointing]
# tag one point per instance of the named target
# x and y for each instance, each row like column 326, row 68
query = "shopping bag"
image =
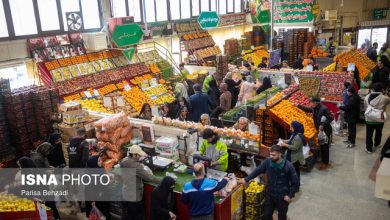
column 322, row 138
column 376, row 115
column 96, row 214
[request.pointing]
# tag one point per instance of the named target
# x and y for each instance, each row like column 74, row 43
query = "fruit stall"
column 15, row 208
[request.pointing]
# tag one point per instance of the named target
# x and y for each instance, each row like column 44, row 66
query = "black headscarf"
column 26, row 162
column 56, row 157
column 162, row 199
column 266, row 85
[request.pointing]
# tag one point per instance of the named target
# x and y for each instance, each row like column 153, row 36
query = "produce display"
column 254, row 195
column 195, row 35
column 309, row 85
column 29, row 113
column 256, row 99
column 136, row 98
column 257, row 55
column 330, row 68
column 361, row 61
column 315, row 52
column 187, row 27
column 153, row 67
column 83, row 83
column 207, row 52
column 166, row 69
column 226, row 132
column 148, row 56
column 290, row 89
column 287, row 112
column 93, row 105
column 12, row 203
column 332, row 83
column 7, row 153
column 274, row 99
column 199, row 43
column 298, row 98
column 112, row 133
column 160, row 95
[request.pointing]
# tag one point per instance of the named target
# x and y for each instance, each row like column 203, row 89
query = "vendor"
column 285, row 65
column 214, row 149
column 205, row 120
column 331, row 47
column 242, row 124
column 263, row 63
column 184, row 72
column 146, row 112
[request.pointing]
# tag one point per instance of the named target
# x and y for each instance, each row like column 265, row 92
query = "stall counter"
column 224, row 208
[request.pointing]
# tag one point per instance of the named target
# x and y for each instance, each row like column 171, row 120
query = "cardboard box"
column 75, row 117
column 382, row 185
column 68, row 132
column 70, row 106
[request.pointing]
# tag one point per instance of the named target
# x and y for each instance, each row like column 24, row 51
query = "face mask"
column 182, row 103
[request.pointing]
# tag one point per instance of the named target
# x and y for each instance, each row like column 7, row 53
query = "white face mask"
column 182, row 103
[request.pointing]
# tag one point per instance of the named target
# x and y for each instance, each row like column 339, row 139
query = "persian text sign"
column 293, row 11
column 128, row 34
column 208, row 19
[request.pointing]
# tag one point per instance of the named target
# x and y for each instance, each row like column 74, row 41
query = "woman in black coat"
column 266, row 85
column 56, row 157
column 214, row 93
column 162, row 200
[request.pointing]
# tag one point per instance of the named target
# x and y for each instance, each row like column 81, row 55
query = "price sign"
column 351, row 67
column 127, row 87
column 88, row 94
column 96, row 92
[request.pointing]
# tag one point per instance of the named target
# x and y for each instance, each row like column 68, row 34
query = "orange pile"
column 153, row 68
column 361, row 61
column 315, row 52
column 287, row 112
column 139, row 79
column 107, row 89
column 197, row 35
column 275, row 98
column 72, row 97
column 122, row 84
column 136, row 98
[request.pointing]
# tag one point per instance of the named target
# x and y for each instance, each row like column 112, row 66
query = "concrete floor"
column 344, row 191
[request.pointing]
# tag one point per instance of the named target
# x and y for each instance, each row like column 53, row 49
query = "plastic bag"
column 96, row 214
column 322, row 138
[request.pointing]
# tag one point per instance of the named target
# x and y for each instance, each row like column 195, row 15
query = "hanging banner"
column 128, row 34
column 285, row 11
column 208, row 19
column 129, row 53
column 232, row 19
column 274, row 58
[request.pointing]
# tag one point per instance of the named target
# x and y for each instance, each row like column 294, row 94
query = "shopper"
column 345, row 93
column 249, row 63
column 378, row 101
column 56, row 157
column 214, row 149
column 298, row 64
column 242, row 124
column 294, row 146
column 247, row 90
column 264, row 86
column 285, row 65
column 206, row 82
column 331, row 47
column 282, row 183
column 352, row 115
column 205, row 120
column 233, row 86
column 214, row 93
column 181, row 91
column 263, row 63
column 184, row 114
column 372, row 52
column 225, row 100
column 163, row 200
column 39, row 156
column 95, row 162
column 380, row 74
column 184, row 72
column 134, row 206
column 146, row 112
column 78, row 151
column 318, row 111
column 199, row 194
column 199, row 103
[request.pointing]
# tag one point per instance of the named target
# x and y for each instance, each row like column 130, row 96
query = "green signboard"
column 129, row 53
column 128, row 34
column 380, row 13
column 208, row 19
column 285, row 11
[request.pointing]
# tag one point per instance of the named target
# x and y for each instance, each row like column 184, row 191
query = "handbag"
column 375, row 115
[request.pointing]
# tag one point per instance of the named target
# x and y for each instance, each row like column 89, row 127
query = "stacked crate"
column 231, row 47
column 246, row 40
column 222, row 66
column 296, row 39
column 7, row 152
column 268, row 135
column 29, row 111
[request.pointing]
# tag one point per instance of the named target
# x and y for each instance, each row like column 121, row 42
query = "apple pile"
column 298, row 98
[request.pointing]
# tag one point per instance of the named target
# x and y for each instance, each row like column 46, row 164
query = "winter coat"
column 162, row 200
column 199, row 104
column 247, row 91
column 78, row 152
column 352, row 109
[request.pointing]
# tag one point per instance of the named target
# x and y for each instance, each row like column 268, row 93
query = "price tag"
column 127, row 87
column 120, row 102
column 107, row 102
column 88, row 94
column 96, row 92
column 351, row 67
column 153, row 97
